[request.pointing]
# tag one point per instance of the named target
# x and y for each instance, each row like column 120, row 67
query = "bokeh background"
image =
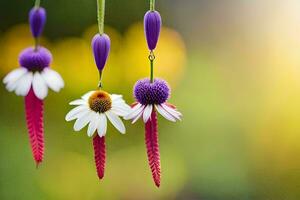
column 234, row 69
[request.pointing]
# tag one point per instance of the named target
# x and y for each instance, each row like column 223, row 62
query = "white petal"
column 172, row 111
column 164, row 113
column 115, row 97
column 14, row 75
column 24, row 84
column 53, row 79
column 12, row 85
column 95, row 118
column 39, row 86
column 102, row 126
column 116, row 121
column 121, row 109
column 78, row 102
column 87, row 95
column 134, row 111
column 82, row 121
column 147, row 113
column 72, row 114
column 137, row 116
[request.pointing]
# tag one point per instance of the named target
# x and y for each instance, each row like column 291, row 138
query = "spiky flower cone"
column 100, row 154
column 35, row 125
column 151, row 138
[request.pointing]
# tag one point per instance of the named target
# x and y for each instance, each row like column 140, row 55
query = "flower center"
column 100, row 101
column 146, row 92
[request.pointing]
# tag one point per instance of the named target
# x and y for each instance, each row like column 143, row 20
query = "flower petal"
column 53, row 79
column 24, row 84
column 134, row 111
column 14, row 75
column 39, row 86
column 72, row 114
column 116, row 121
column 82, row 121
column 87, row 95
column 172, row 111
column 147, row 113
column 102, row 126
column 164, row 113
column 137, row 116
column 78, row 102
column 95, row 118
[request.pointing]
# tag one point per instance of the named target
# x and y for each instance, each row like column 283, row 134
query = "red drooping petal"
column 35, row 125
column 99, row 154
column 151, row 138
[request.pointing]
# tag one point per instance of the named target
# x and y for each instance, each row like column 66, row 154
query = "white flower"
column 166, row 110
column 21, row 80
column 94, row 108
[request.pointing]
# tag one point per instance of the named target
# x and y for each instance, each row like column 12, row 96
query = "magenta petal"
column 37, row 21
column 99, row 154
column 151, row 138
column 101, row 48
column 35, row 125
column 152, row 25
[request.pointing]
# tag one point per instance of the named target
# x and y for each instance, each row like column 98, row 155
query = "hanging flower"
column 32, row 80
column 94, row 108
column 152, row 97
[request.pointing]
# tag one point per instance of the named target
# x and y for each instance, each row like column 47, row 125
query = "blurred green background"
column 234, row 69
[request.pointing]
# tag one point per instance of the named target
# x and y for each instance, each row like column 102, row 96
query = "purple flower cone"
column 101, row 48
column 35, row 60
column 146, row 92
column 37, row 20
column 152, row 25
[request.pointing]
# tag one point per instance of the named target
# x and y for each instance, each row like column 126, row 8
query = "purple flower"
column 35, row 60
column 152, row 24
column 101, row 48
column 37, row 20
column 146, row 92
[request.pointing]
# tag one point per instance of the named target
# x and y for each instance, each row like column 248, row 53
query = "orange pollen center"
column 100, row 101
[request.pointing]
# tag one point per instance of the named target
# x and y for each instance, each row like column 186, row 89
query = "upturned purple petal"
column 37, row 20
column 152, row 25
column 146, row 92
column 101, row 48
column 35, row 60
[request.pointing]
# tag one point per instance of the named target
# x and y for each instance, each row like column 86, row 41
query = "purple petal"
column 152, row 24
column 37, row 20
column 101, row 48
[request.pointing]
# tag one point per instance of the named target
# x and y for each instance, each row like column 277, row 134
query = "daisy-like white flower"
column 34, row 73
column 93, row 110
column 152, row 96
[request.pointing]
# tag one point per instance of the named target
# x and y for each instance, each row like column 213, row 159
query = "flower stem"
column 37, row 3
column 152, row 5
column 100, row 85
column 151, row 71
column 101, row 15
column 151, row 59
